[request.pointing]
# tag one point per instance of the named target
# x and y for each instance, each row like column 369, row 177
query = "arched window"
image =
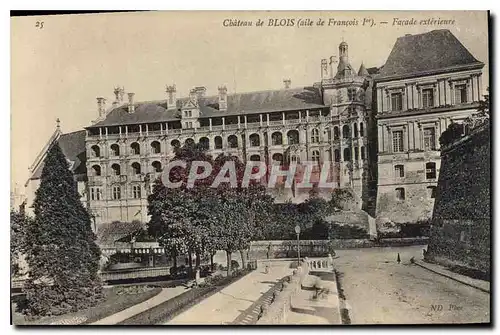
column 175, row 144
column 136, row 149
column 347, row 155
column 430, row 170
column 254, row 140
column 205, row 143
column 136, row 167
column 157, row 166
column 218, row 142
column 255, row 158
column 155, row 147
column 232, row 140
column 189, row 141
column 115, row 150
column 345, row 131
column 361, row 129
column 315, row 156
column 96, row 151
column 356, row 153
column 116, row 169
column 293, row 137
column 278, row 158
column 336, row 133
column 96, row 170
column 363, row 154
column 328, row 133
column 277, row 138
column 295, row 159
column 314, row 135
column 337, row 155
column 355, row 128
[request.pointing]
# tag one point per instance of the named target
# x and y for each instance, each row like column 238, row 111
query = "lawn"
column 117, row 298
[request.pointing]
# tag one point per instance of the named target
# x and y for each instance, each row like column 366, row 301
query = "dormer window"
column 351, row 93
column 188, row 113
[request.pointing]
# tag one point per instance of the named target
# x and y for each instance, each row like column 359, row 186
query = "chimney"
column 118, row 92
column 332, row 61
column 101, row 106
column 222, row 98
column 171, row 98
column 131, row 107
column 200, row 92
column 193, row 96
column 287, row 83
column 324, row 68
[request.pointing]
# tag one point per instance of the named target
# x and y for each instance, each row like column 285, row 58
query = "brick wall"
column 460, row 232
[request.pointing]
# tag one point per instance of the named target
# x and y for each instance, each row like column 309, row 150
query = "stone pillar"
column 210, row 123
column 448, row 86
column 260, row 119
column 480, row 84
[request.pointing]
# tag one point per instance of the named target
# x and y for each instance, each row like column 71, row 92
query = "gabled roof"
column 237, row 104
column 72, row 146
column 427, row 53
column 109, row 233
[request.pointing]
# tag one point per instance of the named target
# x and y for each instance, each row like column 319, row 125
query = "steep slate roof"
column 237, row 104
column 426, row 53
column 362, row 71
column 73, row 147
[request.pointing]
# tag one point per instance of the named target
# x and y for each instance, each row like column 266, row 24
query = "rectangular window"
column 351, row 94
column 397, row 141
column 400, row 193
column 427, row 98
column 117, row 194
column 429, row 139
column 431, row 192
column 399, row 171
column 396, row 102
column 136, row 191
column 95, row 193
column 460, row 94
column 430, row 170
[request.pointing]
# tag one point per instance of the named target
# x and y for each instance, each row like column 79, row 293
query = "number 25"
column 39, row 24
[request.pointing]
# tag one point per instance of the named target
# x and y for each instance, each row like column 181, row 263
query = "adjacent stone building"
column 429, row 81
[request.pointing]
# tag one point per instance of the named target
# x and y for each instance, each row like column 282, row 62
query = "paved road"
column 379, row 290
column 225, row 306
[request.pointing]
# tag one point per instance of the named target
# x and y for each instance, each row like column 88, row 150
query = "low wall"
column 276, row 312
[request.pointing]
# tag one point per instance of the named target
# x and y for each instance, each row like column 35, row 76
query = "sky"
column 58, row 68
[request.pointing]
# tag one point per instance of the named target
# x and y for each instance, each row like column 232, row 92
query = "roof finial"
column 58, row 122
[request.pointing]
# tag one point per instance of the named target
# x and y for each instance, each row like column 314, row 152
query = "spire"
column 58, row 124
column 362, row 71
column 344, row 69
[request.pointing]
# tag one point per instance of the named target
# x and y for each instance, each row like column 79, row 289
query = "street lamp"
column 297, row 231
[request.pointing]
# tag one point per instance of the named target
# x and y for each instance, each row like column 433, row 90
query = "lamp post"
column 297, row 231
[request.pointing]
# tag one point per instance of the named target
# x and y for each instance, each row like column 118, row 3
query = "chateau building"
column 416, row 94
column 429, row 81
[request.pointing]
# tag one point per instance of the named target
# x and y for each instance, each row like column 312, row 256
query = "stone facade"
column 326, row 122
column 416, row 102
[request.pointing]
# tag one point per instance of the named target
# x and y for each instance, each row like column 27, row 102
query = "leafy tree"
column 18, row 223
column 63, row 257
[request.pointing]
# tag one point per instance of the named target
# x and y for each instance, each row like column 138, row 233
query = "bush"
column 234, row 264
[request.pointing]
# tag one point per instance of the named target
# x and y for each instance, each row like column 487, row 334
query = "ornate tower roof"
column 344, row 69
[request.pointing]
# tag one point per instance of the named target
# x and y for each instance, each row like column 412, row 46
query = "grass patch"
column 175, row 306
column 116, row 299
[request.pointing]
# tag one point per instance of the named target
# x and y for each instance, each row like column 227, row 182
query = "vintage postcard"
column 251, row 168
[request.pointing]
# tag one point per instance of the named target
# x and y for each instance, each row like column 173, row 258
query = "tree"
column 18, row 223
column 63, row 257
